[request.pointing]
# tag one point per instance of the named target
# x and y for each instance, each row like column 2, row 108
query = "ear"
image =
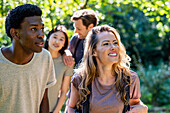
column 14, row 33
column 90, row 26
column 94, row 53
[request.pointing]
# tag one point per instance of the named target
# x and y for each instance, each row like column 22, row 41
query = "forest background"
column 144, row 27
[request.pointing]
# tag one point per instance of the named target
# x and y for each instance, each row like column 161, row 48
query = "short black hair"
column 16, row 16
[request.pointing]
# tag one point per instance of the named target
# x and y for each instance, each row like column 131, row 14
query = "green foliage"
column 140, row 36
column 155, row 82
column 143, row 26
column 4, row 41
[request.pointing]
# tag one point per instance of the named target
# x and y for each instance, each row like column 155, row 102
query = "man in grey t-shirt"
column 26, row 70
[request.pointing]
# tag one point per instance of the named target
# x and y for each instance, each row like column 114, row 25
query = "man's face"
column 31, row 34
column 81, row 29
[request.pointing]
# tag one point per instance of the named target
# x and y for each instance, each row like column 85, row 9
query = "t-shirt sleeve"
column 76, row 80
column 51, row 74
column 69, row 71
column 135, row 86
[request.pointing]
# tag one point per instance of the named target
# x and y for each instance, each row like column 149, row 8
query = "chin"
column 80, row 37
column 38, row 50
column 114, row 62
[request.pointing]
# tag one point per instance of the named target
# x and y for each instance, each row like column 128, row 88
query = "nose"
column 56, row 41
column 75, row 31
column 41, row 34
column 112, row 46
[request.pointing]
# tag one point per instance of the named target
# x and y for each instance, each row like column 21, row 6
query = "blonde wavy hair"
column 88, row 67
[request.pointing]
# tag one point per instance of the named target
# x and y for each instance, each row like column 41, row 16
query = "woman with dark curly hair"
column 106, row 69
column 57, row 43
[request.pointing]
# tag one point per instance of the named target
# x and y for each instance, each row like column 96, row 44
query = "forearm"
column 44, row 107
column 139, row 107
column 70, row 110
column 60, row 102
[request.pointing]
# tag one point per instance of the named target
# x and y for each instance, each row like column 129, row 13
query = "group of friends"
column 35, row 76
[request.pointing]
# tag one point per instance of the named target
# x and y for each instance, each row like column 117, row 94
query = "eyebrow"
column 36, row 25
column 108, row 40
column 57, row 35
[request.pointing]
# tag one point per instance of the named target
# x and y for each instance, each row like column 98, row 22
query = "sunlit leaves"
column 141, row 23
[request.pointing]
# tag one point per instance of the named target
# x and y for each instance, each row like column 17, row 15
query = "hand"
column 68, row 60
column 55, row 112
column 138, row 109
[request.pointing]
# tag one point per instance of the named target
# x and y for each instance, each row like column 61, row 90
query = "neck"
column 16, row 55
column 54, row 54
column 105, row 71
column 106, row 75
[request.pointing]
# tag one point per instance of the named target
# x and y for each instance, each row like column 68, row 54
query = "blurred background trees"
column 144, row 26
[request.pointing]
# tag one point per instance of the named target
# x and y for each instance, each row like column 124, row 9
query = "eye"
column 33, row 29
column 115, row 43
column 61, row 39
column 55, row 37
column 105, row 44
column 42, row 29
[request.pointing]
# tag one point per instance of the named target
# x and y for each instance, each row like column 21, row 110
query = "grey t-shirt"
column 22, row 86
column 61, row 70
column 103, row 98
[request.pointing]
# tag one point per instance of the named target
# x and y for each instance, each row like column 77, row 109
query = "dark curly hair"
column 16, row 16
column 55, row 29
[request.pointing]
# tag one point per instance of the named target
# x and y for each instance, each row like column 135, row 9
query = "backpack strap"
column 87, row 103
column 127, row 107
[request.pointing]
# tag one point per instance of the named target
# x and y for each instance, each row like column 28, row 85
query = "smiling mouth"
column 41, row 44
column 112, row 54
column 56, row 46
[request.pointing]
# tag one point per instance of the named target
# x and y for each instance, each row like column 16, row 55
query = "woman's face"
column 107, row 49
column 56, row 41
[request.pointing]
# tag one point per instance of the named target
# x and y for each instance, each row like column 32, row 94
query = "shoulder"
column 44, row 53
column 133, row 74
column 59, row 62
column 44, row 56
column 134, row 77
column 74, row 37
column 76, row 80
column 77, row 76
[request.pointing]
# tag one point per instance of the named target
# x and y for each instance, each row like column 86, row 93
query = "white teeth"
column 114, row 54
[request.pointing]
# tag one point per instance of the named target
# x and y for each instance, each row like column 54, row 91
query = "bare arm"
column 44, row 107
column 74, row 97
column 68, row 59
column 64, row 89
column 137, row 106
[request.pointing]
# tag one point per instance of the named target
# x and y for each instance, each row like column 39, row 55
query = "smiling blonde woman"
column 106, row 68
